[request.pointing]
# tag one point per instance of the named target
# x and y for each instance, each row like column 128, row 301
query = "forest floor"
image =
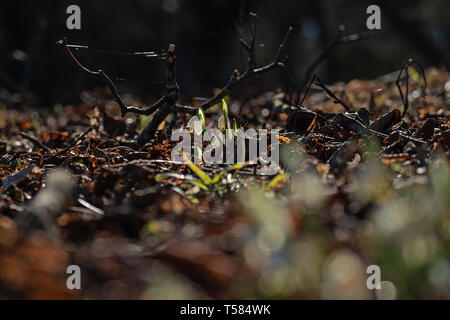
column 366, row 187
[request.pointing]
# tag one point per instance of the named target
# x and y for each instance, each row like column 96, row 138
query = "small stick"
column 73, row 143
column 238, row 78
column 35, row 141
column 124, row 109
column 167, row 103
column 330, row 93
column 405, row 98
column 307, row 90
column 169, row 99
column 324, row 53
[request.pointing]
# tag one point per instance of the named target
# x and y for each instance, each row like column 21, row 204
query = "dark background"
column 206, row 33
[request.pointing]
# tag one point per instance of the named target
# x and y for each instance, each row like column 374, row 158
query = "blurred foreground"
column 140, row 228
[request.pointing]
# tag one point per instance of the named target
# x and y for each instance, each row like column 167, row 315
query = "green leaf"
column 162, row 176
column 281, row 177
column 237, row 166
column 199, row 172
column 200, row 184
column 202, row 118
column 218, row 177
column 225, row 114
column 192, row 199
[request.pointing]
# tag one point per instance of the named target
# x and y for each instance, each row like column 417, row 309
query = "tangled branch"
column 167, row 104
column 237, row 78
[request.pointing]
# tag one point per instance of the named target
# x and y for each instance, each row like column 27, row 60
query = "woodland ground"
column 370, row 186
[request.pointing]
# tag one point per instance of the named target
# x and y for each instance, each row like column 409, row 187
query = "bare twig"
column 124, row 109
column 300, row 104
column 330, row 93
column 323, row 54
column 404, row 69
column 169, row 99
column 252, row 70
column 167, row 104
column 35, row 141
column 75, row 142
column 164, row 106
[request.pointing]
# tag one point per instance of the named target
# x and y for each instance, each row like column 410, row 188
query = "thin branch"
column 405, row 98
column 307, row 90
column 323, row 54
column 170, row 99
column 74, row 143
column 330, row 93
column 252, row 70
column 186, row 109
column 151, row 128
column 124, row 109
column 167, row 104
column 251, row 48
column 35, row 141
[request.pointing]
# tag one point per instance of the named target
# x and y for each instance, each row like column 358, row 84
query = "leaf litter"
column 363, row 178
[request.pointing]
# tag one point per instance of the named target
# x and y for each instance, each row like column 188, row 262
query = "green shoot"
column 202, row 118
column 280, row 178
column 225, row 114
column 199, row 172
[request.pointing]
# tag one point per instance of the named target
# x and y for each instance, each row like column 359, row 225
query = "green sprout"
column 202, row 118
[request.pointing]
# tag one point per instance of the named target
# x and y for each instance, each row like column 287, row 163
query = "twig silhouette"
column 167, row 104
